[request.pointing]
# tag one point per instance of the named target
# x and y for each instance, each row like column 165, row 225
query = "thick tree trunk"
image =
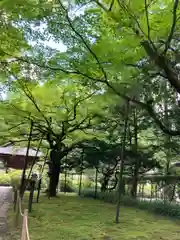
column 54, row 180
column 135, row 180
column 54, row 171
column 104, row 184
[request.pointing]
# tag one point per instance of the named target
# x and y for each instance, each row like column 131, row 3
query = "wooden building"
column 14, row 157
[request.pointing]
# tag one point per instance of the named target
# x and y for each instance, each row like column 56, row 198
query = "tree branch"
column 101, row 5
column 83, row 40
column 24, row 140
column 148, row 108
column 111, row 6
column 133, row 17
column 159, row 123
column 163, row 63
column 30, row 96
column 173, row 27
column 52, row 68
column 80, row 125
column 76, row 105
column 15, row 126
column 147, row 19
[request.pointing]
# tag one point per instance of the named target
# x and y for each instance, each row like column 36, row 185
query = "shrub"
column 73, row 182
column 157, row 207
column 5, row 179
column 66, row 187
column 12, row 178
column 15, row 178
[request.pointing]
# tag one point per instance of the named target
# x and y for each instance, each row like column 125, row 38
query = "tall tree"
column 62, row 116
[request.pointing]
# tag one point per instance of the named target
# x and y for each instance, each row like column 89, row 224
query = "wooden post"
column 17, row 211
column 39, row 189
column 24, row 231
column 15, row 198
column 151, row 191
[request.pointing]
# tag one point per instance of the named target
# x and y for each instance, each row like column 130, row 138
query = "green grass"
column 163, row 208
column 70, row 218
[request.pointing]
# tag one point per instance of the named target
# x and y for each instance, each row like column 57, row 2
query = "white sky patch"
column 3, row 96
column 178, row 96
column 52, row 44
column 58, row 46
column 41, row 28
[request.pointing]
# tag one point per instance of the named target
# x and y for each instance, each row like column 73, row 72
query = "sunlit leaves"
column 70, row 109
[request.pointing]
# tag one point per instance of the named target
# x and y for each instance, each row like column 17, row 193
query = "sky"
column 41, row 28
column 59, row 46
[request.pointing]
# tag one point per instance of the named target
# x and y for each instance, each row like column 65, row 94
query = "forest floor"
column 69, row 217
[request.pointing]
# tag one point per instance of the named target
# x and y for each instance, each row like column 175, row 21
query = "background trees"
column 71, row 69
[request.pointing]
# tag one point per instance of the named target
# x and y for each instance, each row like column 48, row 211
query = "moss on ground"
column 69, row 218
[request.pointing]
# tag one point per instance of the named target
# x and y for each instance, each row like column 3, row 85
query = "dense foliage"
column 98, row 82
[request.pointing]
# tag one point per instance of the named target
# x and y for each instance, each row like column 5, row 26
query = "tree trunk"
column 168, row 137
column 137, row 163
column 135, row 180
column 80, row 183
column 105, row 182
column 31, row 195
column 54, row 180
column 39, row 190
column 120, row 180
column 54, row 171
column 81, row 172
column 96, row 183
column 65, row 180
column 23, row 177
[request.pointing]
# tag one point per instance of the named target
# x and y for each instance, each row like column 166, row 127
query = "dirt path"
column 5, row 201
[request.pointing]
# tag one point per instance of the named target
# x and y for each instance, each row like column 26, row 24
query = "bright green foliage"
column 133, row 16
column 70, row 110
column 105, row 55
column 12, row 178
column 4, row 179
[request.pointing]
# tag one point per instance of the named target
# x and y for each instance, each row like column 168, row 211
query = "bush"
column 5, row 179
column 157, row 207
column 66, row 187
column 13, row 178
column 73, row 182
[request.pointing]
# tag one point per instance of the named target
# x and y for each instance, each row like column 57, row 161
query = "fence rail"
column 24, row 215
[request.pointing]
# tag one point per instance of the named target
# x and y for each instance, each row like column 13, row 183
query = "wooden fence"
column 24, row 216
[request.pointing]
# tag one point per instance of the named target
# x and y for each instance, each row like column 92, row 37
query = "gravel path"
column 5, row 201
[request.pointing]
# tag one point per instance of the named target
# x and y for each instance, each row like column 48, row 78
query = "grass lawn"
column 72, row 218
